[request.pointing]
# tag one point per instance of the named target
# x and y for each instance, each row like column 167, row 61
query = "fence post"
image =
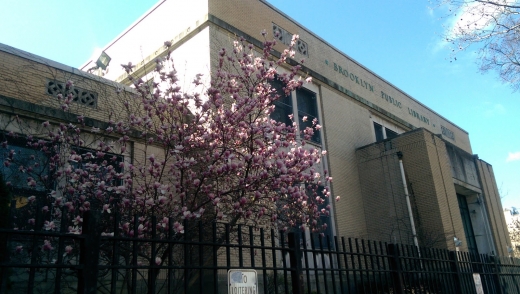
column 152, row 269
column 295, row 257
column 395, row 267
column 455, row 269
column 34, row 257
column 496, row 274
column 89, row 255
column 4, row 241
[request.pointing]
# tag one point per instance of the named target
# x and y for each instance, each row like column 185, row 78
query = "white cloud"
column 473, row 16
column 497, row 109
column 430, row 12
column 513, row 156
column 440, row 45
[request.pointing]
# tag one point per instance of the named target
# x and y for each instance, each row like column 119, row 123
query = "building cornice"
column 60, row 66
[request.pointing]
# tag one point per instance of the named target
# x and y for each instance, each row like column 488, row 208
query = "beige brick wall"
column 347, row 105
column 383, row 195
column 347, row 113
column 26, row 79
column 432, row 192
column 494, row 207
column 346, row 127
column 253, row 16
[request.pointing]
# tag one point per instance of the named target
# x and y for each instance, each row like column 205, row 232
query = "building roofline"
column 124, row 32
column 48, row 62
column 356, row 62
column 158, row 4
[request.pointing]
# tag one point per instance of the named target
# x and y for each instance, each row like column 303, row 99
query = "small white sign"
column 478, row 284
column 242, row 281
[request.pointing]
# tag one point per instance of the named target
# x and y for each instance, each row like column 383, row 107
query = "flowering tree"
column 492, row 26
column 514, row 229
column 212, row 155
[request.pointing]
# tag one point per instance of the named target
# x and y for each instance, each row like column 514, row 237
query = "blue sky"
column 399, row 40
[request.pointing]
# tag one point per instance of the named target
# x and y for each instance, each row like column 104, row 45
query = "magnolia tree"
column 491, row 26
column 514, row 230
column 514, row 235
column 220, row 154
column 212, row 154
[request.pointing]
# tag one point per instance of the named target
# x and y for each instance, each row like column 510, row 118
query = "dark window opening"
column 26, row 168
column 378, row 129
column 324, row 219
column 390, row 134
column 90, row 156
column 466, row 222
column 283, row 105
column 307, row 107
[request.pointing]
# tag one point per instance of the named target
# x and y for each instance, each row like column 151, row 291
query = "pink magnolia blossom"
column 106, row 208
column 47, row 246
column 49, row 226
column 68, row 250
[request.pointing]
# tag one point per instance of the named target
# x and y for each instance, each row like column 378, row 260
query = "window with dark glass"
column 90, row 156
column 390, row 134
column 21, row 164
column 283, row 105
column 378, row 129
column 307, row 107
column 466, row 222
column 324, row 219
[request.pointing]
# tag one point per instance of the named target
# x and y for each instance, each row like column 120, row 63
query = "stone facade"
column 29, row 86
column 366, row 121
column 439, row 177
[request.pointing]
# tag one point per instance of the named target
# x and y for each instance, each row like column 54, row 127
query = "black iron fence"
column 198, row 261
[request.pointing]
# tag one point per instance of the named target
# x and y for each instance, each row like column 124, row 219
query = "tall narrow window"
column 378, row 129
column 306, row 103
column 307, row 107
column 283, row 106
column 324, row 219
column 466, row 222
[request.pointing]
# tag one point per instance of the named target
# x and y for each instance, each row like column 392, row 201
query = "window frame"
column 277, row 85
column 315, row 237
column 21, row 143
column 385, row 127
column 107, row 157
column 316, row 138
column 296, row 111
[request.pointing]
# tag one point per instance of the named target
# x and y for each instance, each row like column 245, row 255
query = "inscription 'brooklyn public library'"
column 352, row 77
column 384, row 96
